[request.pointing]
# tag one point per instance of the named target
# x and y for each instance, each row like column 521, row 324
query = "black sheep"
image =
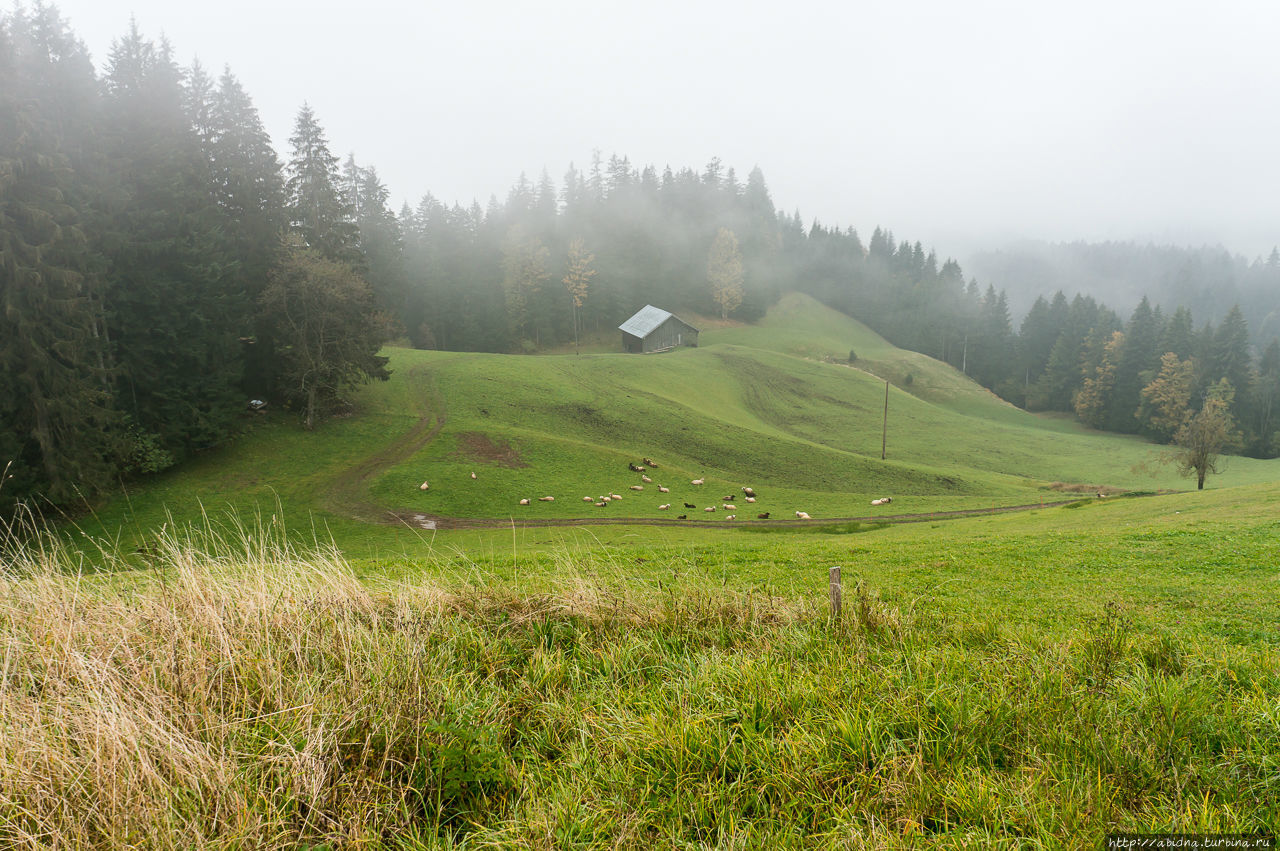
column 689, row 505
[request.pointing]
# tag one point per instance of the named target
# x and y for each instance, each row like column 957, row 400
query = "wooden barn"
column 653, row 329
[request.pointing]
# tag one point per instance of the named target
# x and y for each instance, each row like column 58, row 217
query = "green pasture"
column 767, row 406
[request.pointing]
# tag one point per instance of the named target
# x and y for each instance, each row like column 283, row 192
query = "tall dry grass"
column 203, row 703
column 244, row 693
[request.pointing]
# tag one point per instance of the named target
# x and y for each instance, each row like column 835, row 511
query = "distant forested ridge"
column 1207, row 280
column 160, row 266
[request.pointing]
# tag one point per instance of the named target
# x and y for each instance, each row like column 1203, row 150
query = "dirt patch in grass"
column 1069, row 487
column 474, row 446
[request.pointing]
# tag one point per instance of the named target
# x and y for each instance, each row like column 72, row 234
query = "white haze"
column 961, row 125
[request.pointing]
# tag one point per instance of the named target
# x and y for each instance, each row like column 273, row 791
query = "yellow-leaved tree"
column 724, row 272
column 577, row 278
column 1202, row 439
column 1166, row 401
column 1094, row 396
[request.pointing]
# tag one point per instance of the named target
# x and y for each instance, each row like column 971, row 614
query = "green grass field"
column 244, row 653
column 763, row 406
column 1033, row 680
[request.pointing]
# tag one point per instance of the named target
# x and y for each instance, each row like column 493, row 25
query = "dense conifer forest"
column 160, row 265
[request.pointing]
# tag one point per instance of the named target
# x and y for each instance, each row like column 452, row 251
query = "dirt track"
column 348, row 495
column 432, row 521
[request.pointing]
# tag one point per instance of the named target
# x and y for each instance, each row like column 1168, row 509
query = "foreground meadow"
column 1021, row 681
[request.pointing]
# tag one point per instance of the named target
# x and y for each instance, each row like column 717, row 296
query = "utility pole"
column 884, row 429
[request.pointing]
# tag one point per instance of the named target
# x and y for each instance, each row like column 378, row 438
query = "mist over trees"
column 143, row 215
column 1208, row 281
column 161, row 265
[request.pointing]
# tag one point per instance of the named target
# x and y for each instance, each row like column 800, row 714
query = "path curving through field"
column 417, row 519
column 348, row 495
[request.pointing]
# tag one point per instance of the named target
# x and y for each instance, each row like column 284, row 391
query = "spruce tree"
column 1265, row 402
column 56, row 420
column 175, row 311
column 248, row 187
column 1179, row 335
column 381, row 241
column 1229, row 357
column 1137, row 363
column 317, row 210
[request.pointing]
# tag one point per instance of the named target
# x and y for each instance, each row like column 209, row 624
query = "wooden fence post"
column 834, row 582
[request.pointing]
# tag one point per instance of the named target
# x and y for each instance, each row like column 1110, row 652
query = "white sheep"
column 587, row 499
column 546, row 499
column 731, row 517
column 615, row 496
column 637, row 487
column 751, row 499
column 423, row 486
column 697, row 481
column 661, row 489
column 473, row 475
column 524, row 502
column 729, row 506
column 709, row 508
column 646, row 479
column 800, row 515
column 664, row 507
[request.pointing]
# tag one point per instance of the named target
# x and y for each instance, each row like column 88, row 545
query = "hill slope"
column 763, row 405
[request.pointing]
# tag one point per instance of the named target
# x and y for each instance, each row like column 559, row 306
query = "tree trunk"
column 311, row 408
column 1200, row 480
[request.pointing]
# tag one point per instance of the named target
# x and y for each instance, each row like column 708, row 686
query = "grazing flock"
column 727, row 502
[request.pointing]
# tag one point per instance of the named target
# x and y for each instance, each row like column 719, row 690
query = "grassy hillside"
column 760, row 405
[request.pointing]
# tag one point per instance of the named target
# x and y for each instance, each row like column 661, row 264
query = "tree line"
column 158, row 264
column 161, row 266
column 1207, row 280
column 1150, row 374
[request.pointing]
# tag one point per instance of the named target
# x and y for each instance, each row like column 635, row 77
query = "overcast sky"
column 961, row 124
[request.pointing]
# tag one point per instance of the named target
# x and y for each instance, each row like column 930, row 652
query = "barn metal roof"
column 646, row 320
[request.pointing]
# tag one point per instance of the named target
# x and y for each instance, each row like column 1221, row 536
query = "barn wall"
column 668, row 335
column 662, row 337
